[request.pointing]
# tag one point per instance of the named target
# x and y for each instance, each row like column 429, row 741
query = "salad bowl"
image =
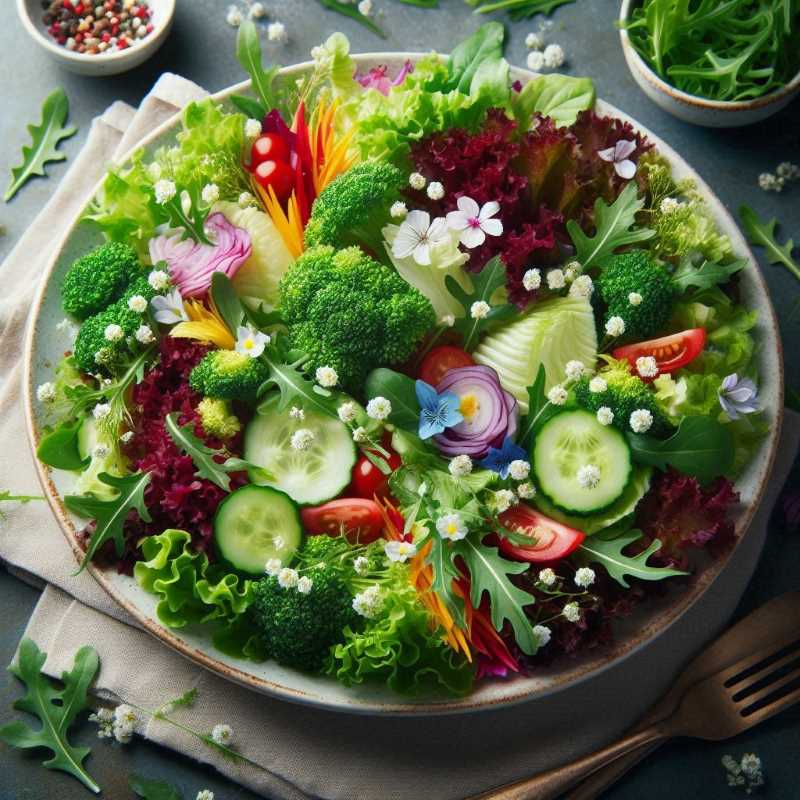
column 44, row 349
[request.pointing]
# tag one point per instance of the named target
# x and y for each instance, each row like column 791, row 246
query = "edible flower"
column 474, row 222
column 451, row 527
column 168, row 308
column 378, row 77
column 250, row 342
column 399, row 550
column 500, row 459
column 618, row 156
column 417, row 234
column 193, row 264
column 738, row 396
column 205, row 324
column 437, row 411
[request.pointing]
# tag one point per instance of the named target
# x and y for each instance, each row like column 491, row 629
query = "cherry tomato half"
column 360, row 519
column 550, row 540
column 268, row 147
column 368, row 480
column 671, row 352
column 278, row 175
column 441, row 360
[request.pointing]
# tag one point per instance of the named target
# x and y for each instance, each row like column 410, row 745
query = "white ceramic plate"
column 43, row 350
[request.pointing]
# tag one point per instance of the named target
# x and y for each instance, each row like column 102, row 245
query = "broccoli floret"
column 141, row 287
column 624, row 393
column 99, row 346
column 99, row 278
column 351, row 313
column 299, row 629
column 353, row 209
column 636, row 272
column 217, row 418
column 228, row 375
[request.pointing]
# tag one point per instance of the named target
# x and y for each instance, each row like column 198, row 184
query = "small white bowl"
column 699, row 110
column 101, row 64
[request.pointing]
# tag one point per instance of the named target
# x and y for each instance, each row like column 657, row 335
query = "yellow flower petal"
column 205, row 325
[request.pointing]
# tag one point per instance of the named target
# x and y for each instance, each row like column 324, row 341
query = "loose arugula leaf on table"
column 400, row 391
column 45, row 138
column 763, row 234
column 708, row 274
column 518, row 9
column 148, row 789
column 7, row 497
column 540, row 409
column 348, row 9
column 485, row 283
column 702, row 447
column 614, row 228
column 110, row 515
column 59, row 448
column 608, row 553
column 248, row 53
column 559, row 97
column 56, row 708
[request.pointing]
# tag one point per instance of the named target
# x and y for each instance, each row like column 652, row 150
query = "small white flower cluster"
column 605, row 416
column 158, row 280
column 365, row 8
column 121, row 723
column 101, row 410
column 222, row 734
column 647, row 366
column 615, row 326
column 532, row 279
column 479, row 309
column 137, row 304
column 542, row 634
column 369, row 602
column 668, row 205
column 164, row 191
column 584, row 577
column 597, row 385
column 641, row 420
column 526, row 491
column 519, row 469
column 747, row 774
column 435, row 190
column 557, row 395
column 398, row 210
column 541, row 56
column 288, row 578
column 297, row 414
column 502, row 500
column 361, row 565
column 582, row 286
column 785, row 172
column 460, row 466
column 379, row 408
column 113, row 333
column 588, row 476
column 416, row 180
column 572, row 612
column 276, row 32
column 347, row 412
column 327, row 377
column 246, row 200
column 547, row 577
column 302, row 439
column 205, row 794
column 46, row 392
column 556, row 279
column 574, row 370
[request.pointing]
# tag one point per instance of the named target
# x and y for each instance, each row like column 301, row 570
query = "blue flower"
column 500, row 460
column 738, row 396
column 437, row 411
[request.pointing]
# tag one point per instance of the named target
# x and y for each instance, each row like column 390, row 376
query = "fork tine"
column 730, row 677
column 753, row 699
column 739, row 690
column 773, row 708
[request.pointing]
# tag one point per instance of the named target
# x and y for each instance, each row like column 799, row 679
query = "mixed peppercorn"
column 95, row 27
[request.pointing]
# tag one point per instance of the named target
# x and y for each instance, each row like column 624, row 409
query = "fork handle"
column 549, row 785
column 598, row 782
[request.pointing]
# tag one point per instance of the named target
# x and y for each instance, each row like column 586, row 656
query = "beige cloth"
column 304, row 752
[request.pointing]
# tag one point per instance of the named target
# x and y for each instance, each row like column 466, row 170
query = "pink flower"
column 192, row 265
column 378, row 78
column 618, row 156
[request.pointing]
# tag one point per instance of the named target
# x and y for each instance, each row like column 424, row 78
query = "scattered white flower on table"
column 100, row 451
column 287, row 578
column 250, row 342
column 597, row 385
column 460, row 465
column 635, row 299
column 399, row 550
column 124, row 724
column 104, row 717
column 751, row 765
column 585, row 577
column 618, row 156
column 503, row 499
column 327, row 377
column 435, row 190
column 542, row 634
column 554, row 56
column 447, row 321
column 647, row 366
column 205, row 794
column 158, row 280
column 479, row 309
column 234, row 17
column 417, row 181
column 365, row 7
column 276, row 32
column 347, row 411
column 101, row 410
column 222, row 734
column 572, row 612
column 615, row 326
column 257, row 11
column 126, row 437
column 246, row 199
column 168, row 308
column 304, row 585
column 526, row 490
column 668, row 205
column 574, row 369
column 164, row 191
column 746, row 774
column 556, row 279
column 534, row 41
column 379, row 408
column 452, row 527
column 588, row 476
column 770, row 183
column 641, row 420
column 302, row 439
column 535, row 61
column 398, row 210
column 473, row 222
column 557, row 395
column 113, row 332
column 605, row 416
column 137, row 303
column 582, row 286
column 361, row 565
column 297, row 413
column 144, row 334
column 273, row 567
column 532, row 279
column 368, row 603
column 519, row 469
column 417, row 234
column 360, row 435
column 46, row 392
column 547, row 576
column 788, row 171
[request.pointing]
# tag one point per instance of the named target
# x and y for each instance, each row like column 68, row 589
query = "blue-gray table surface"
column 201, row 47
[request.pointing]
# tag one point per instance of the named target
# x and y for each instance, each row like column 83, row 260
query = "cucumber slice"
column 309, row 476
column 87, row 438
column 569, row 441
column 253, row 525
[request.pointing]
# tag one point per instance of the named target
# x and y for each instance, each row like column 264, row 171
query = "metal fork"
column 715, row 708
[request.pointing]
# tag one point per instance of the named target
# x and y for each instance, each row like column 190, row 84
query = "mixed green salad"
column 417, row 377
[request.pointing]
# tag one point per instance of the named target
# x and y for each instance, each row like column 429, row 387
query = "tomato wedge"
column 368, row 481
column 550, row 540
column 670, row 352
column 358, row 518
column 440, row 360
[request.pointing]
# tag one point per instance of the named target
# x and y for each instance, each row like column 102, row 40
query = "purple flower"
column 618, row 156
column 192, row 264
column 738, row 396
column 378, row 77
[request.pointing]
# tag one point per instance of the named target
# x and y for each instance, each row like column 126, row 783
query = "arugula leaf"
column 608, row 553
column 763, row 234
column 59, row 448
column 56, row 708
column 251, row 108
column 153, row 790
column 518, row 9
column 613, row 224
column 540, row 409
column 485, row 283
column 248, row 53
column 293, row 385
column 489, row 573
column 484, row 46
column 348, row 9
column 7, row 497
column 559, row 97
column 110, row 515
column 708, row 274
column 400, row 391
column 45, row 138
column 701, row 447
column 414, row 450
column 445, row 572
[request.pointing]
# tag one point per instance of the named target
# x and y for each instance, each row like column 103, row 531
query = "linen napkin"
column 302, row 752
